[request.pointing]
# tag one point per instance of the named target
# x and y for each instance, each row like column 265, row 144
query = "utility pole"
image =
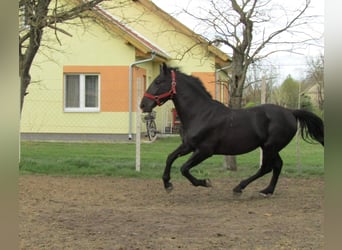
column 298, row 137
column 263, row 101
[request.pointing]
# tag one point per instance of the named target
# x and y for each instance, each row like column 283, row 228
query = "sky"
column 294, row 64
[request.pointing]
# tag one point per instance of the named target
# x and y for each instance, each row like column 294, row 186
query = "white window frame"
column 82, row 107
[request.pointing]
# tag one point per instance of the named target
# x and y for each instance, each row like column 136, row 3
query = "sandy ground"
column 114, row 213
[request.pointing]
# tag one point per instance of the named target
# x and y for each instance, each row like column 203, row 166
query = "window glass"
column 91, row 91
column 72, row 91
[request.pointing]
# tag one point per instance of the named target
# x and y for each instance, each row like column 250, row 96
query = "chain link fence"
column 44, row 118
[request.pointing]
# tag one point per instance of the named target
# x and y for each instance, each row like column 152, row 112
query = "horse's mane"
column 195, row 82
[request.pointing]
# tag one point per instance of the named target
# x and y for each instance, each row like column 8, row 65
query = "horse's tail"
column 311, row 126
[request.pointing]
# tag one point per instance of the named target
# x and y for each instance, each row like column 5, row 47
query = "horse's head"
column 161, row 89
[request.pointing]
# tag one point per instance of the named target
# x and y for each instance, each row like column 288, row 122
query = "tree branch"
column 278, row 32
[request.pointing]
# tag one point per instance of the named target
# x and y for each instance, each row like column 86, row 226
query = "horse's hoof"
column 169, row 188
column 265, row 195
column 208, row 183
column 237, row 194
column 237, row 190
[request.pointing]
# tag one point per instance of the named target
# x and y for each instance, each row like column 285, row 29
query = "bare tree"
column 35, row 16
column 257, row 73
column 252, row 30
column 315, row 76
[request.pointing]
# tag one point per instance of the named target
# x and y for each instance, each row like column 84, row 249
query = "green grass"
column 118, row 159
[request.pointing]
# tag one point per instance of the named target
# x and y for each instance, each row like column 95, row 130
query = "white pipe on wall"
column 130, row 98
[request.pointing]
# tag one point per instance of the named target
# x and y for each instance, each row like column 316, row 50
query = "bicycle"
column 151, row 127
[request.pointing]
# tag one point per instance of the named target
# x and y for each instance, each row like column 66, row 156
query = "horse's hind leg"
column 277, row 164
column 265, row 168
column 270, row 161
column 183, row 149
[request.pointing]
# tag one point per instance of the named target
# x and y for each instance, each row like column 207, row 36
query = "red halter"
column 171, row 93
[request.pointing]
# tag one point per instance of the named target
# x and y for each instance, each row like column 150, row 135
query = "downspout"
column 130, row 98
column 217, row 77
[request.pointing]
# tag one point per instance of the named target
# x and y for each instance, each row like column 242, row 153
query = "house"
column 86, row 88
column 316, row 94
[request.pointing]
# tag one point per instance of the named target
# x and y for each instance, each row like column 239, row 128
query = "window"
column 82, row 93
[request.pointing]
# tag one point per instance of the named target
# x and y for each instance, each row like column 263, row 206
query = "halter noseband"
column 171, row 93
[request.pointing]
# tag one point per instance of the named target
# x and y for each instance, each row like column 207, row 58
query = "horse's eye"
column 158, row 82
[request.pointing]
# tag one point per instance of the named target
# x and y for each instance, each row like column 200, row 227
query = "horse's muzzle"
column 147, row 105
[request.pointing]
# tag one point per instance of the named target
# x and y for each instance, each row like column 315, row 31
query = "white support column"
column 138, row 126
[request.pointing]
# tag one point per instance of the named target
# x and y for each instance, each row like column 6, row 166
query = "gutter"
column 130, row 99
column 217, row 76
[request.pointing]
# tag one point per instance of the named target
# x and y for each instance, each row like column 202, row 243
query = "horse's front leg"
column 196, row 158
column 183, row 149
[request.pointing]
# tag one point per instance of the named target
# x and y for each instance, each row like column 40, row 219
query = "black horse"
column 211, row 128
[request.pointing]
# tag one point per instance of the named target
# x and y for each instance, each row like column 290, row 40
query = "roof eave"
column 184, row 29
column 127, row 34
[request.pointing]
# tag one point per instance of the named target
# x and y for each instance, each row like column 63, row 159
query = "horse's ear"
column 163, row 68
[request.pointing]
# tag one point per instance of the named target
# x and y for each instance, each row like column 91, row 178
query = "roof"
column 184, row 29
column 132, row 37
column 145, row 46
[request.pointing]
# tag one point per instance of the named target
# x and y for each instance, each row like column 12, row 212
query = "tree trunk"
column 230, row 160
column 25, row 62
column 229, row 163
column 235, row 101
column 28, row 50
column 24, row 83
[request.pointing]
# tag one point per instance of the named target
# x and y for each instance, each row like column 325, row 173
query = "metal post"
column 138, row 127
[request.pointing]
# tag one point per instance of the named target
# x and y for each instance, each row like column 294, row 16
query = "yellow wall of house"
column 90, row 44
column 43, row 110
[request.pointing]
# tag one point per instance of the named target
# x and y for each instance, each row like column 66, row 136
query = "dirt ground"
column 114, row 213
